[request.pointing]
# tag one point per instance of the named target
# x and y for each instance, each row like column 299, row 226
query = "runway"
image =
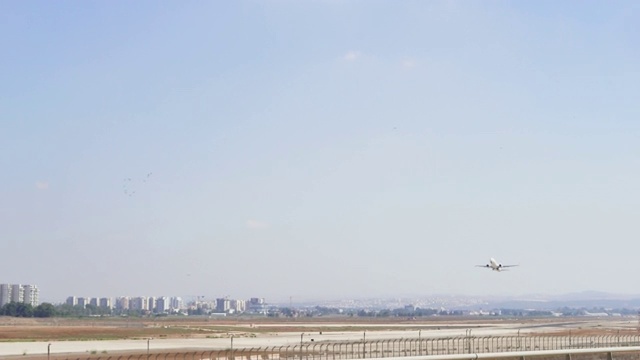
column 262, row 340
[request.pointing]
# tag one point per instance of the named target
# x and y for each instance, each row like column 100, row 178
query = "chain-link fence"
column 387, row 348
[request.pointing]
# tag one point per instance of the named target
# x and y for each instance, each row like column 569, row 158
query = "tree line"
column 44, row 310
column 17, row 309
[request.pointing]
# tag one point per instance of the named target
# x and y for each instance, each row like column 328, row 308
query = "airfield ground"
column 27, row 338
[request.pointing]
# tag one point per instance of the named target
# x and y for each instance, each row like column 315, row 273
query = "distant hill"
column 585, row 299
column 578, row 300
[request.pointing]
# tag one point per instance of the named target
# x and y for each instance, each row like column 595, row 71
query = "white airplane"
column 496, row 266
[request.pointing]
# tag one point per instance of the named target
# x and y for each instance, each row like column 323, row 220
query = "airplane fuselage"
column 494, row 265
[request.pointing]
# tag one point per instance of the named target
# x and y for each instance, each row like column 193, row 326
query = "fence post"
column 364, row 344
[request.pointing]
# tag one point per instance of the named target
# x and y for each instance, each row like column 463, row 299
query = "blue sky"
column 320, row 149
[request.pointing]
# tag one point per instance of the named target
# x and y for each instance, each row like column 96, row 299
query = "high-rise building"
column 105, row 303
column 238, row 306
column 222, row 305
column 152, row 303
column 17, row 293
column 162, row 304
column 176, row 303
column 139, row 303
column 72, row 301
column 122, row 303
column 31, row 294
column 28, row 294
column 5, row 294
column 83, row 302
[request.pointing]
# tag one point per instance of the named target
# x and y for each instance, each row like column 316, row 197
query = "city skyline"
column 590, row 296
column 257, row 305
column 320, row 149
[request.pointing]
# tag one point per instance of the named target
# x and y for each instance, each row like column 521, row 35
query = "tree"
column 91, row 309
column 24, row 310
column 44, row 310
column 10, row 309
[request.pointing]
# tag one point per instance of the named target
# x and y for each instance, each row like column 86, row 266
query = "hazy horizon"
column 319, row 149
column 408, row 297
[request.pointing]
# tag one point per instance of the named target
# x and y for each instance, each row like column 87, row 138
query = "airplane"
column 496, row 266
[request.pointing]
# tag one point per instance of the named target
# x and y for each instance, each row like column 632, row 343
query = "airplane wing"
column 505, row 266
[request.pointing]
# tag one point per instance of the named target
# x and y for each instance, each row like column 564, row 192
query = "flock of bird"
column 128, row 185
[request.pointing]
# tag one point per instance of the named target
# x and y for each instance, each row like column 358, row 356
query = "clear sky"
column 319, row 149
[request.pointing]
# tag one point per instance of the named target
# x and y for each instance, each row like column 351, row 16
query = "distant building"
column 238, row 306
column 72, row 301
column 162, row 304
column 223, row 305
column 27, row 294
column 83, row 302
column 122, row 303
column 5, row 294
column 152, row 303
column 94, row 301
column 257, row 306
column 31, row 295
column 139, row 303
column 256, row 301
column 176, row 303
column 106, row 303
column 410, row 308
column 17, row 293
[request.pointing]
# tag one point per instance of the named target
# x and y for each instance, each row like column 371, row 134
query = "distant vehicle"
column 496, row 266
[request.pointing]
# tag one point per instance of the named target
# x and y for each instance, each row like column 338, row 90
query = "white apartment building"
column 5, row 294
column 31, row 295
column 17, row 293
column 28, row 294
